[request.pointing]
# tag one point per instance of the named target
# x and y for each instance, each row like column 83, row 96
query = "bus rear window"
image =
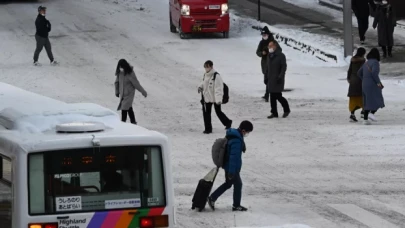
column 95, row 179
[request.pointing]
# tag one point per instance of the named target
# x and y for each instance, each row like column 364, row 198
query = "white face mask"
column 265, row 37
column 246, row 135
column 122, row 69
column 271, row 50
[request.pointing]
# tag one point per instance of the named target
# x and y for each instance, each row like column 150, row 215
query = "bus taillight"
column 154, row 221
column 43, row 225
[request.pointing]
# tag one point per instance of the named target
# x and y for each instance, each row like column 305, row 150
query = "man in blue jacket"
column 233, row 165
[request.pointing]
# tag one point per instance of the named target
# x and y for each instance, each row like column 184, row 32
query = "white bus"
column 77, row 166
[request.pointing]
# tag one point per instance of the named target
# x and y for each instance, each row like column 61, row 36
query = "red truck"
column 199, row 16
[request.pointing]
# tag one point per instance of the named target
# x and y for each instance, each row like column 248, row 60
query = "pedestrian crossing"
column 363, row 216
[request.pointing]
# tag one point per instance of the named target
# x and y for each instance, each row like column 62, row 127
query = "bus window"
column 96, row 179
column 5, row 199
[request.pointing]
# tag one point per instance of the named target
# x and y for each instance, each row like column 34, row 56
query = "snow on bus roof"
column 28, row 112
column 24, row 112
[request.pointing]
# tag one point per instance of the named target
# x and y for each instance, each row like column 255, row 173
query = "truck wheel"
column 172, row 27
column 182, row 34
column 226, row 34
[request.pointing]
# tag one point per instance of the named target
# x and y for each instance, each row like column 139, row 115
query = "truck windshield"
column 95, row 179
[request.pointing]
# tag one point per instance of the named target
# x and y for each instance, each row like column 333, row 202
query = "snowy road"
column 314, row 168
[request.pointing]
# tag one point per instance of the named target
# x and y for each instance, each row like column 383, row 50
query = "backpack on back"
column 225, row 98
column 219, row 149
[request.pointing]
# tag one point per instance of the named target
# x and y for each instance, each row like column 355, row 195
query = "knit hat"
column 265, row 30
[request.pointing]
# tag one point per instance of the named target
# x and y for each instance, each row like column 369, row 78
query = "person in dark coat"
column 355, row 93
column 233, row 165
column 275, row 75
column 126, row 83
column 371, row 85
column 361, row 9
column 262, row 51
column 43, row 27
column 385, row 22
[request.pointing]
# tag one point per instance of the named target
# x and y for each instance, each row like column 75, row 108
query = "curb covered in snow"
column 300, row 46
column 339, row 7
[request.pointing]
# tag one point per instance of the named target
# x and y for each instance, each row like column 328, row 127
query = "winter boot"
column 239, row 208
column 384, row 49
column 272, row 116
column 353, row 118
column 372, row 117
column 211, row 203
column 390, row 52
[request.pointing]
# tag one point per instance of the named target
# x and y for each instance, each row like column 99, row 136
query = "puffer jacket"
column 213, row 90
column 236, row 145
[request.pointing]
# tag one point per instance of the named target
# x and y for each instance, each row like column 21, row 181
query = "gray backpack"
column 219, row 149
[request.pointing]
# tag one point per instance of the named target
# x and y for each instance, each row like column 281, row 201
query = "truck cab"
column 199, row 16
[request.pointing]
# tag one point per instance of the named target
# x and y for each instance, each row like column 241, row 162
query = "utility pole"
column 347, row 25
column 258, row 10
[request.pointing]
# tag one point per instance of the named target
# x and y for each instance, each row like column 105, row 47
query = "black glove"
column 117, row 95
column 229, row 176
column 266, row 81
column 279, row 80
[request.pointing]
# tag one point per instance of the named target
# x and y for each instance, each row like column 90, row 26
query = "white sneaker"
column 372, row 117
column 366, row 122
column 54, row 62
column 37, row 64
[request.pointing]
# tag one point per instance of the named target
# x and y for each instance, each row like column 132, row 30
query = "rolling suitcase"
column 203, row 190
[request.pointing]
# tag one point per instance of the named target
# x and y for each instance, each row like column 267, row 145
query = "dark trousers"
column 131, row 114
column 362, row 23
column 41, row 43
column 367, row 112
column 274, row 97
column 237, row 189
column 267, row 94
column 384, row 49
column 207, row 116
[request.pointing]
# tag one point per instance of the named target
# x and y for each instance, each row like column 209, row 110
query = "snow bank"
column 283, row 226
column 321, row 48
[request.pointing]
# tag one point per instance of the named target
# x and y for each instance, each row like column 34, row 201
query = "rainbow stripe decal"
column 121, row 219
column 111, row 219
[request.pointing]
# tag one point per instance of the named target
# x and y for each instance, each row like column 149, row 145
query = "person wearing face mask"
column 212, row 89
column 233, row 165
column 385, row 22
column 275, row 73
column 262, row 51
column 126, row 83
column 43, row 27
column 361, row 9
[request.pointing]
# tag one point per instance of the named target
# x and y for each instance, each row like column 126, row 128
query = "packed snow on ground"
column 283, row 226
column 293, row 169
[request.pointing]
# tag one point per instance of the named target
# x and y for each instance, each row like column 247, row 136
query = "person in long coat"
column 371, row 84
column 385, row 22
column 361, row 9
column 262, row 51
column 355, row 93
column 126, row 83
column 275, row 74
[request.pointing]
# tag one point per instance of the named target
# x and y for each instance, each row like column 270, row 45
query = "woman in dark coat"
column 262, row 51
column 371, row 85
column 355, row 93
column 385, row 22
column 126, row 83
